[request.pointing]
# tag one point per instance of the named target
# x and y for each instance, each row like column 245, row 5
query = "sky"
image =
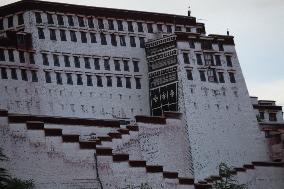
column 258, row 27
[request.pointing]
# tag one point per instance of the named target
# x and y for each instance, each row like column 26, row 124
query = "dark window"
column 122, row 40
column 32, row 58
column 67, row 61
column 24, row 75
column 56, row 60
column 209, row 60
column 160, row 27
column 79, row 79
column 113, row 40
column 191, row 44
column 47, row 77
column 232, row 77
column 178, row 28
column 34, row 76
column 206, row 45
column 1, row 24
column 116, row 65
column 229, row 61
column 89, row 80
column 188, row 29
column 91, row 23
column 142, row 42
column 110, row 25
column 60, row 20
column 106, row 64
column 119, row 81
column 73, row 36
column 52, row 34
column 22, row 57
column 21, row 39
column 221, row 47
column 169, row 29
column 103, row 39
column 126, row 65
column 138, row 83
column 119, row 25
column 101, row 23
column 81, row 21
column 93, row 37
column 272, row 117
column 140, row 27
column 63, row 35
column 218, row 60
column 150, row 27
column 77, row 62
column 4, row 74
column 70, row 20
column 109, row 81
column 87, row 62
column 97, row 63
column 45, row 59
column 186, row 58
column 83, row 37
column 38, row 17
column 69, row 79
column 11, row 55
column 189, row 74
column 58, row 78
column 211, row 73
column 99, row 81
column 199, row 59
column 130, row 26
column 128, row 82
column 20, row 19
column 49, row 19
column 261, row 115
column 202, row 75
column 40, row 33
column 132, row 41
column 10, row 21
column 14, row 73
column 2, row 55
column 136, row 66
column 221, row 77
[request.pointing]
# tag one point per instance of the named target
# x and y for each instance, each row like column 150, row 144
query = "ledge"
column 170, row 175
column 3, row 113
column 120, row 157
column 151, row 119
column 115, row 135
column 268, row 164
column 173, row 115
column 154, row 168
column 137, row 163
column 186, row 181
column 104, row 151
column 240, row 169
column 35, row 125
column 132, row 128
column 70, row 138
column 248, row 166
column 202, row 186
column 87, row 145
column 123, row 131
column 53, row 132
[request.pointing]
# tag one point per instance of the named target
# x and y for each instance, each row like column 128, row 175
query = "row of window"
column 212, row 77
column 271, row 116
column 10, row 55
column 10, row 21
column 23, row 73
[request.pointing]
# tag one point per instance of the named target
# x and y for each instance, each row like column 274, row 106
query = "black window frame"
column 38, row 17
column 109, row 81
column 128, row 82
column 47, row 77
column 232, row 77
column 11, row 55
column 73, row 36
column 99, row 81
column 272, row 116
column 202, row 75
column 49, row 18
column 63, row 35
column 103, row 39
column 113, row 40
column 77, row 63
column 189, row 75
column 32, row 58
column 116, row 65
column 89, row 80
column 160, row 27
column 110, row 24
column 122, row 40
column 45, row 60
column 169, row 29
column 60, row 20
column 97, row 64
column 21, row 19
column 138, row 82
column 56, row 61
column 130, row 26
column 87, row 63
column 140, row 27
column 22, row 57
column 199, row 60
column 93, row 37
column 91, row 24
column 150, row 28
column 136, row 66
column 4, row 74
column 69, row 79
column 106, row 64
column 120, row 25
column 84, row 37
column 79, row 79
column 229, row 61
column 14, row 74
column 185, row 56
column 41, row 34
column 10, row 21
column 132, row 41
column 126, row 65
column 58, row 78
column 2, row 55
column 66, row 61
column 81, row 21
column 118, row 82
column 221, row 77
column 218, row 60
column 70, row 20
column 142, row 42
column 101, row 23
column 52, row 34
column 34, row 76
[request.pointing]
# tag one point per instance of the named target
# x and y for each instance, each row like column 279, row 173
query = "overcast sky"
column 258, row 27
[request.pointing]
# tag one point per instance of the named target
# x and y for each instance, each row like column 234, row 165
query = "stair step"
column 186, row 181
column 154, row 168
column 132, row 128
column 53, row 132
column 240, row 169
column 105, row 138
column 104, row 151
column 170, row 175
column 115, row 135
column 123, row 131
column 120, row 157
column 35, row 125
column 70, row 138
column 137, row 163
column 202, row 186
column 248, row 166
column 87, row 145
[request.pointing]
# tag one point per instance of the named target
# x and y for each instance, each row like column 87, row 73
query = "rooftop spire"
column 189, row 11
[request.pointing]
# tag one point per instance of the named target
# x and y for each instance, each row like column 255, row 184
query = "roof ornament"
column 189, row 11
column 228, row 32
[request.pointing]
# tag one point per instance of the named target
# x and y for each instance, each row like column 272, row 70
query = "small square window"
column 272, row 117
column 169, row 29
column 261, row 115
column 178, row 28
column 160, row 27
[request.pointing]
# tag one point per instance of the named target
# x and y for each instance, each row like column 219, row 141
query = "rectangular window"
column 206, row 45
column 21, row 39
column 40, row 33
column 103, row 39
column 79, row 79
column 56, row 60
column 135, row 66
column 110, row 25
column 189, row 74
column 24, row 75
column 14, row 74
column 60, row 20
column 89, row 80
column 122, row 40
column 49, row 19
column 22, row 57
column 32, row 58
column 87, row 63
column 113, row 40
column 199, row 59
column 109, row 81
column 4, row 74
column 150, row 27
column 142, row 42
column 119, row 25
column 47, row 77
column 272, row 117
column 229, row 61
column 91, row 23
column 140, row 27
column 178, row 28
column 11, row 55
column 66, row 61
column 130, row 26
column 99, row 81
column 63, row 35
column 209, row 60
column 128, row 82
column 101, row 23
column 70, row 20
column 106, row 64
column 232, row 77
column 1, row 24
column 202, row 75
column 221, row 47
column 52, row 34
column 34, row 76
column 188, row 29
column 119, row 81
column 10, row 21
column 116, row 65
column 218, row 60
column 83, row 37
column 221, row 77
column 261, row 115
column 186, row 58
column 2, row 55
column 125, row 65
column 69, row 79
column 20, row 19
column 93, row 37
column 160, row 27
column 138, row 83
column 191, row 44
column 77, row 62
column 38, row 17
column 97, row 63
column 58, row 78
column 132, row 41
column 169, row 29
column 45, row 60
column 73, row 36
column 81, row 21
